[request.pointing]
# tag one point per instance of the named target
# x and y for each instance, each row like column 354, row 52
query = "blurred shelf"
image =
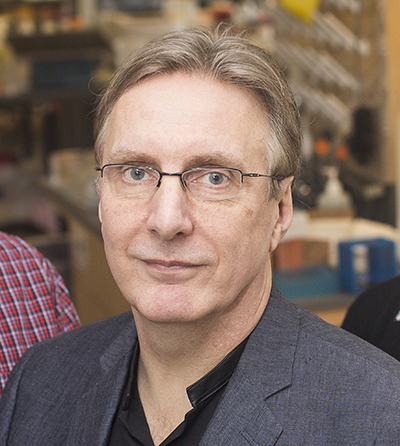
column 17, row 3
column 59, row 44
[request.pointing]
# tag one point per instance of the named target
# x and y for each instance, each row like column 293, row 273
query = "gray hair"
column 226, row 57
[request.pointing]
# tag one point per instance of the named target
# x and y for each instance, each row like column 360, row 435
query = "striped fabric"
column 34, row 302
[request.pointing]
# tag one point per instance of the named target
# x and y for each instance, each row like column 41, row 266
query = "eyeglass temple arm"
column 255, row 175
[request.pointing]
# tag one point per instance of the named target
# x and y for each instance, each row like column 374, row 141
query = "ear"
column 99, row 211
column 285, row 213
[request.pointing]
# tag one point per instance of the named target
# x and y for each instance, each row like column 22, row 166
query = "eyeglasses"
column 203, row 183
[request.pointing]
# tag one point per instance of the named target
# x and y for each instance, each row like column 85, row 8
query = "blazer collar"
column 96, row 408
column 265, row 368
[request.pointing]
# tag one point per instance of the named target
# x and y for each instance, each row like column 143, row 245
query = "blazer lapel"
column 96, row 409
column 244, row 416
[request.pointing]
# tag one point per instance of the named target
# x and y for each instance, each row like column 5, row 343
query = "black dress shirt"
column 130, row 427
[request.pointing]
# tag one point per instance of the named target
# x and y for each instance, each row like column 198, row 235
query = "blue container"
column 365, row 262
column 306, row 282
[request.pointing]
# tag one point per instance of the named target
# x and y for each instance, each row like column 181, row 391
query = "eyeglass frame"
column 183, row 182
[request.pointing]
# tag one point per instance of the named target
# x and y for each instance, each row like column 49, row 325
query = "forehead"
column 186, row 115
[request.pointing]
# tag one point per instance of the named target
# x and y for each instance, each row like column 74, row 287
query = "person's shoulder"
column 349, row 386
column 109, row 328
column 22, row 256
column 338, row 345
column 13, row 243
column 374, row 310
column 71, row 363
column 77, row 354
column 380, row 294
column 87, row 341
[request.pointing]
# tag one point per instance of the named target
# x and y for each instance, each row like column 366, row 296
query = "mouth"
column 172, row 265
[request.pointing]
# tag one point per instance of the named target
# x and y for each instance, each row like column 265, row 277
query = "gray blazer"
column 299, row 382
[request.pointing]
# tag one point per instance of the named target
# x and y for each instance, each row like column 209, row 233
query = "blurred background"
column 342, row 59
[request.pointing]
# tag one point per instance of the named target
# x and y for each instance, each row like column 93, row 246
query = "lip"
column 169, row 265
column 172, row 270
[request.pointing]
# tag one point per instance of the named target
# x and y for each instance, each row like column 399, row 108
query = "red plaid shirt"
column 34, row 302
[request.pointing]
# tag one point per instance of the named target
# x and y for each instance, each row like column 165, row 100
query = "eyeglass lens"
column 201, row 183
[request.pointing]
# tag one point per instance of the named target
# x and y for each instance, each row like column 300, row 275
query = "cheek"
column 244, row 236
column 114, row 227
column 117, row 235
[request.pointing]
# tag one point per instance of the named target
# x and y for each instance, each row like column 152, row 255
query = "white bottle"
column 333, row 195
column 360, row 254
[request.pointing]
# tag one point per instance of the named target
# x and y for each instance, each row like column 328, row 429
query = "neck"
column 188, row 350
column 175, row 355
column 166, row 368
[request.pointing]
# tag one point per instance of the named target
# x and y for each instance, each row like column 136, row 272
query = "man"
column 198, row 140
column 34, row 302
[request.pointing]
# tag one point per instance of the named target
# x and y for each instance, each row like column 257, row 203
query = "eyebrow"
column 121, row 155
column 216, row 159
column 220, row 159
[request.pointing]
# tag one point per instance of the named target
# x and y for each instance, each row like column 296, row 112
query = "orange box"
column 299, row 253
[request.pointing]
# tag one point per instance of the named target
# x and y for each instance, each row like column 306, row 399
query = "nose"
column 169, row 212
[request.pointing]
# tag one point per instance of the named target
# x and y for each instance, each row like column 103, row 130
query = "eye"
column 136, row 174
column 215, row 178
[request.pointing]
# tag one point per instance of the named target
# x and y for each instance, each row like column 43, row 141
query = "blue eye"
column 215, row 178
column 136, row 174
column 210, row 177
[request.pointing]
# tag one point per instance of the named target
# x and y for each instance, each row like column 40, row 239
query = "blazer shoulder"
column 344, row 347
column 73, row 364
column 84, row 346
column 98, row 333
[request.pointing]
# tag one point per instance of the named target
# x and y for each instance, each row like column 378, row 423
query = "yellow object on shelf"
column 304, row 9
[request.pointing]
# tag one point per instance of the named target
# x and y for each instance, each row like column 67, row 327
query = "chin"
column 168, row 317
column 170, row 313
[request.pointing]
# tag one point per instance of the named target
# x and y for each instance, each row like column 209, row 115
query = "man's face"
column 176, row 258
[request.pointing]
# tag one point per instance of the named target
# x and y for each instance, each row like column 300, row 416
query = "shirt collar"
column 215, row 378
column 206, row 386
